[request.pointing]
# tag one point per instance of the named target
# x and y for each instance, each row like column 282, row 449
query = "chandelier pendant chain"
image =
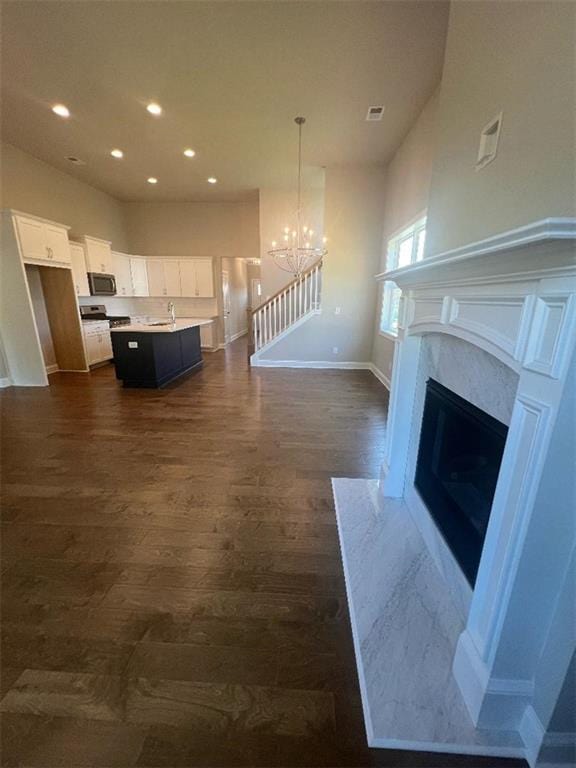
column 298, row 251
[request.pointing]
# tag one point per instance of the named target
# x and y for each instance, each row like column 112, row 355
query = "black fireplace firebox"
column 457, row 469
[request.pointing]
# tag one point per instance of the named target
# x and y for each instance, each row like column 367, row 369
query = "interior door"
column 227, row 306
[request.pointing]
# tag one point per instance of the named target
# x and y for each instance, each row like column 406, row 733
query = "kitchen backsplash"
column 153, row 307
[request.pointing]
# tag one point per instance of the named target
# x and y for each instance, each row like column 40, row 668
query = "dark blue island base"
column 154, row 359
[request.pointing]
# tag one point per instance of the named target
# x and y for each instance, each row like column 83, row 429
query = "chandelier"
column 297, row 249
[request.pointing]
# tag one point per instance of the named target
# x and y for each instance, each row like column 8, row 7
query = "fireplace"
column 457, row 469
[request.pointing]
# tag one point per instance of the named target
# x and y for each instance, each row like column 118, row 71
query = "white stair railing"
column 299, row 298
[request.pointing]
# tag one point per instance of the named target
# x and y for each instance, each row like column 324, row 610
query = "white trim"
column 382, row 378
column 237, row 335
column 532, row 733
column 534, row 233
column 6, row 381
column 329, row 364
column 52, row 368
column 387, row 335
column 14, row 212
column 257, row 356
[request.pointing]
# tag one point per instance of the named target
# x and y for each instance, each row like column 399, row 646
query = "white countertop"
column 148, row 327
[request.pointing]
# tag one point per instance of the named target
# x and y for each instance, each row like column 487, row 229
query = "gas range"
column 98, row 312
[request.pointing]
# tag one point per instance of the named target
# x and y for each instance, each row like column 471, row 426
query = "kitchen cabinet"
column 98, row 342
column 163, row 277
column 196, row 278
column 79, row 270
column 98, row 255
column 42, row 242
column 121, row 270
column 139, row 277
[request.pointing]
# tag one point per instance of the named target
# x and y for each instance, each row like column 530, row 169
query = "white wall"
column 517, row 57
column 354, row 213
column 29, row 185
column 408, row 178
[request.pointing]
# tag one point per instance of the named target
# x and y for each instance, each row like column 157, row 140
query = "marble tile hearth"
column 405, row 628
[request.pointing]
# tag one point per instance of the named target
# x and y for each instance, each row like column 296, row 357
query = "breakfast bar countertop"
column 163, row 325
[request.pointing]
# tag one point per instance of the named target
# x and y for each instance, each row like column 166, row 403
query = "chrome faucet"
column 172, row 310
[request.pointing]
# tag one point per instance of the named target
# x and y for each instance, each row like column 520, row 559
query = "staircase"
column 285, row 310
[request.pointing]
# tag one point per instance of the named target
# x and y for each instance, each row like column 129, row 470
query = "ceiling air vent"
column 374, row 113
column 76, row 160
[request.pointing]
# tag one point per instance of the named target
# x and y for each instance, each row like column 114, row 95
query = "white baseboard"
column 237, row 335
column 6, row 381
column 326, row 364
column 532, row 733
column 382, row 378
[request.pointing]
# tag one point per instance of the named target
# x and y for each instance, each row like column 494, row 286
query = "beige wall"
column 517, row 57
column 354, row 214
column 238, row 286
column 193, row 229
column 407, row 188
column 32, row 186
column 278, row 210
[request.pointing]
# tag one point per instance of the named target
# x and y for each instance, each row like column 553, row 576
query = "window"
column 403, row 249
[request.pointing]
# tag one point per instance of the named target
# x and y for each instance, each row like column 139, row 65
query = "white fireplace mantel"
column 514, row 296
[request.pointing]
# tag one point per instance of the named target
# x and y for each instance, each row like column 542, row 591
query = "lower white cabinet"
column 98, row 342
column 123, row 273
column 139, row 277
column 79, row 270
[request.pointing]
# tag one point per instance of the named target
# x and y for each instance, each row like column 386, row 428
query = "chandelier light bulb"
column 273, row 243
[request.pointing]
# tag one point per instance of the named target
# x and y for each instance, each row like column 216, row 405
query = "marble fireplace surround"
column 505, row 310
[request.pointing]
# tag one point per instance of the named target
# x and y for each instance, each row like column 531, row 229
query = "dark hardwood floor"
column 172, row 587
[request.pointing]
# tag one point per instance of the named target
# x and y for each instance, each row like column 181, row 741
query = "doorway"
column 226, row 306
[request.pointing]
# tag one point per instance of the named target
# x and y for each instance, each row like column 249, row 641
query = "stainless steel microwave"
column 101, row 285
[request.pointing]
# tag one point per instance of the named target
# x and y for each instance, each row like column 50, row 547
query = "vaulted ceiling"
column 230, row 77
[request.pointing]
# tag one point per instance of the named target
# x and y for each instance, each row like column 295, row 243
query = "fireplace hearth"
column 457, row 469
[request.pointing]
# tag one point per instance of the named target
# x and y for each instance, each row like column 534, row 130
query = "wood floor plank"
column 172, row 583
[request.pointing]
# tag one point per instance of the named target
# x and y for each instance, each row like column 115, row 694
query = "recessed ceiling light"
column 152, row 180
column 154, row 109
column 117, row 153
column 211, row 180
column 189, row 152
column 61, row 110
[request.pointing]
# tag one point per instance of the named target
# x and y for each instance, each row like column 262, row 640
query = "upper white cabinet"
column 121, row 269
column 41, row 241
column 139, row 277
column 196, row 278
column 163, row 277
column 98, row 255
column 79, row 270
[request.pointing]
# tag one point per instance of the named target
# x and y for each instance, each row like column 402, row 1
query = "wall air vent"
column 489, row 142
column 374, row 113
column 76, row 160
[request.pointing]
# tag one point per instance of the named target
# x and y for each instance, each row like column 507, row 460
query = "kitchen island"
column 154, row 353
